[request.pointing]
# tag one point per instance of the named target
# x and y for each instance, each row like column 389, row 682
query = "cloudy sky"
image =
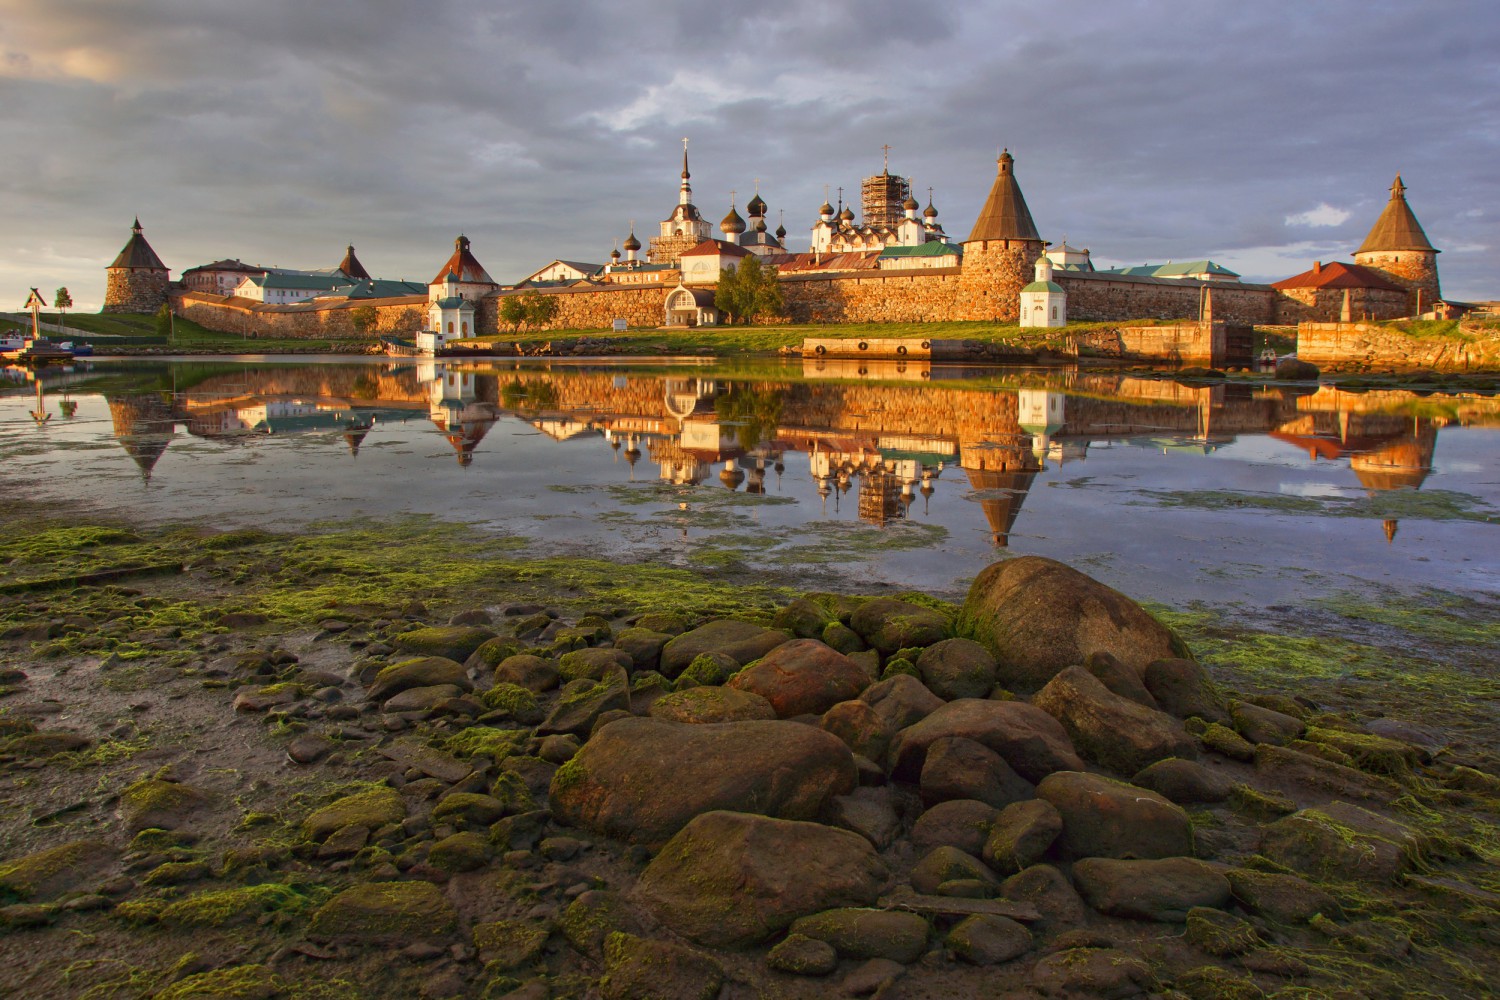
column 1263, row 136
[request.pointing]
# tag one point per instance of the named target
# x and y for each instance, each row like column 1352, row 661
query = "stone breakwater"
column 1039, row 793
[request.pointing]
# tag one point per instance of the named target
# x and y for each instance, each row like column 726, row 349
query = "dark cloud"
column 1261, row 135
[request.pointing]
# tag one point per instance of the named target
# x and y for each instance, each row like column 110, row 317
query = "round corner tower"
column 1001, row 252
column 1399, row 249
column 137, row 280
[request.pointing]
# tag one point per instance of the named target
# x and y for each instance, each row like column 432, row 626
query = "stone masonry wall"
column 1181, row 342
column 1106, row 299
column 226, row 314
column 1304, row 305
column 1413, row 270
column 993, row 274
column 923, row 297
column 587, row 309
column 134, row 290
column 1362, row 346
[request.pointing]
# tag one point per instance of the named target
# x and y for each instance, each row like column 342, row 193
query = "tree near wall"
column 529, row 308
column 363, row 318
column 513, row 311
column 164, row 321
column 541, row 308
column 749, row 291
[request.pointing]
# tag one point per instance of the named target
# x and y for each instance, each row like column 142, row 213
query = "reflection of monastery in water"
column 879, row 449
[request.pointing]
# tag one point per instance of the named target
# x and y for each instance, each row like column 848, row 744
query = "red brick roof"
column 1339, row 275
column 711, row 248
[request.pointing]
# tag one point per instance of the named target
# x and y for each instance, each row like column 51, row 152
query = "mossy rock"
column 900, row 665
column 153, row 802
column 592, row 663
column 461, row 852
column 509, row 944
column 493, row 652
column 373, row 809
column 511, row 698
column 47, row 873
column 709, row 669
column 592, row 917
column 241, row 982
column 644, row 646
column 1209, row 982
column 240, row 905
column 486, row 741
column 468, row 807
column 385, row 911
column 662, row 621
column 1221, row 934
column 842, row 638
column 1223, row 740
column 423, row 671
column 455, row 642
column 640, row 969
column 857, row 932
column 1368, row 752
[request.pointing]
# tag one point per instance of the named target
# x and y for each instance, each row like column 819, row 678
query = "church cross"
column 887, row 149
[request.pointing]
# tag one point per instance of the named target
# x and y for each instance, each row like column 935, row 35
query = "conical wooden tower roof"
column 351, row 266
column 1397, row 228
column 1005, row 215
column 138, row 253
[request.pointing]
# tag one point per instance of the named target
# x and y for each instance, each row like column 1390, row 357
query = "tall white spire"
column 685, row 194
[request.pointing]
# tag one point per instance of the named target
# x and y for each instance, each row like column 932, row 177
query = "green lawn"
column 140, row 331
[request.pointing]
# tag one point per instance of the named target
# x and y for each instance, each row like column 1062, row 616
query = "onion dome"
column 614, row 255
column 781, row 232
column 825, row 209
column 847, row 214
column 732, row 223
column 929, row 212
column 631, row 243
column 760, row 223
column 910, row 204
column 757, row 206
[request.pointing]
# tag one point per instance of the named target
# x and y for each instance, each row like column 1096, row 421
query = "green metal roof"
column 932, row 248
column 1174, row 270
column 1043, row 286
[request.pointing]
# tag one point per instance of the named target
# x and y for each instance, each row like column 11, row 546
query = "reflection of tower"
column 143, row 426
column 1002, row 474
column 454, row 409
column 632, row 454
column 354, row 434
column 1402, row 462
column 731, row 476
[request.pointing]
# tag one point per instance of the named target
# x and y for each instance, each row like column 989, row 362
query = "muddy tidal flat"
column 365, row 752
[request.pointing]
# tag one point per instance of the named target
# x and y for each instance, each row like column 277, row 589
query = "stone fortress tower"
column 1399, row 249
column 137, row 281
column 1000, row 253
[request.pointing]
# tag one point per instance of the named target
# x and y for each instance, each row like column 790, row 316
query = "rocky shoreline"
column 1039, row 792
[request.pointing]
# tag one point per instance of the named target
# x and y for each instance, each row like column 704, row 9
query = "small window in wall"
column 1054, row 312
column 450, row 326
column 466, row 329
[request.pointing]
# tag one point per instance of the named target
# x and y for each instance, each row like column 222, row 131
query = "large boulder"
column 424, row 671
column 581, row 702
column 1113, row 731
column 957, row 668
column 1049, row 890
column 731, row 879
column 959, row 768
column 960, row 823
column 860, row 932
column 888, row 624
column 1283, row 898
column 901, row 700
column 1103, row 818
column 1294, row 370
column 1031, row 741
column 1164, row 889
column 638, row 968
column 860, row 727
column 1183, row 688
column 455, row 642
column 1184, row 781
column 986, row 939
column 643, row 779
column 802, row 677
column 711, row 704
column 44, row 874
column 385, row 911
column 744, row 641
column 1341, row 841
column 1021, row 834
column 1039, row 616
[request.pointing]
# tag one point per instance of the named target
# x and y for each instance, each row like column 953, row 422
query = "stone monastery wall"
column 226, row 314
column 1360, row 346
column 587, row 309
column 1106, row 299
column 134, row 290
column 1303, row 305
column 902, row 297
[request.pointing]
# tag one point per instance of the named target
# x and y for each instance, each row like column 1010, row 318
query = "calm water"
column 917, row 476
